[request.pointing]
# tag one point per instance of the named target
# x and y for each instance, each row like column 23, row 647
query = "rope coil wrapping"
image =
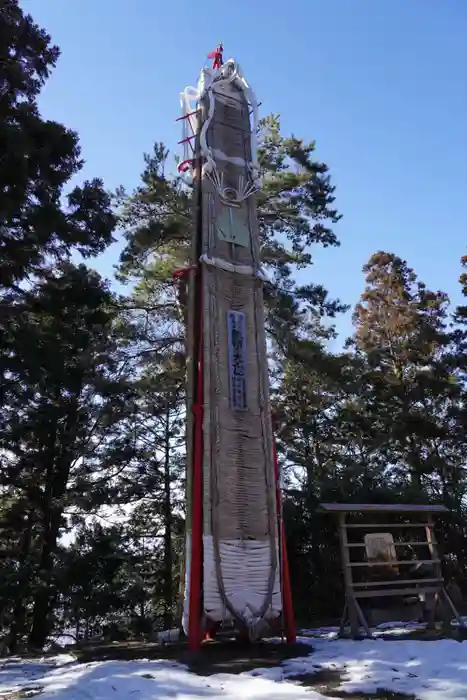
column 239, row 485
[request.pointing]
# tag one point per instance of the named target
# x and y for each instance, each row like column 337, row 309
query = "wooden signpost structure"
column 389, row 551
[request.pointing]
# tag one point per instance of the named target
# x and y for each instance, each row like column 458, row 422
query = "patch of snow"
column 15, row 673
column 384, row 629
column 429, row 670
column 61, row 639
column 149, row 680
column 59, row 660
column 320, row 632
column 456, row 623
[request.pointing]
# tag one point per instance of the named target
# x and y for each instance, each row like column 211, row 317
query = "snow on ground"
column 435, row 670
column 143, row 680
column 429, row 670
column 397, row 629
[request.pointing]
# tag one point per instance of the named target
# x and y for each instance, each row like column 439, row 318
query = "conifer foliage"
column 38, row 158
column 93, row 384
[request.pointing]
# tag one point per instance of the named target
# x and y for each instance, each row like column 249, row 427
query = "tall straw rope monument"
column 236, row 570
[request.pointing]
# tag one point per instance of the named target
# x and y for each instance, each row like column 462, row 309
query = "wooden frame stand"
column 410, row 567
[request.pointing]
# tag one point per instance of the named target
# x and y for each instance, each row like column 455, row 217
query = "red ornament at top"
column 216, row 56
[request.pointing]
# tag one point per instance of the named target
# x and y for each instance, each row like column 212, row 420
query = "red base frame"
column 196, row 568
column 287, row 605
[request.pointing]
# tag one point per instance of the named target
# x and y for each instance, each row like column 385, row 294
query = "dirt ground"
column 327, row 681
column 214, row 657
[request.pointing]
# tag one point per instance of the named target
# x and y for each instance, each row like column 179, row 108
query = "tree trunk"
column 19, row 613
column 168, row 562
column 58, row 459
column 42, row 602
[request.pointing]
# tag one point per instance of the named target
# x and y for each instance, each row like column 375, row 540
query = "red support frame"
column 187, row 139
column 287, row 605
column 196, row 569
column 185, row 165
column 189, row 114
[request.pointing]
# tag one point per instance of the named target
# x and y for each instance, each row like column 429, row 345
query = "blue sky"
column 380, row 84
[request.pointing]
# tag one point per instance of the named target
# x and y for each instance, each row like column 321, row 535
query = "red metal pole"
column 289, row 618
column 196, row 570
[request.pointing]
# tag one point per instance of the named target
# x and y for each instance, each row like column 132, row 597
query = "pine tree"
column 68, row 396
column 160, row 422
column 98, row 582
column 295, row 211
column 402, row 340
column 38, row 158
column 54, row 385
column 305, row 405
column 451, row 482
